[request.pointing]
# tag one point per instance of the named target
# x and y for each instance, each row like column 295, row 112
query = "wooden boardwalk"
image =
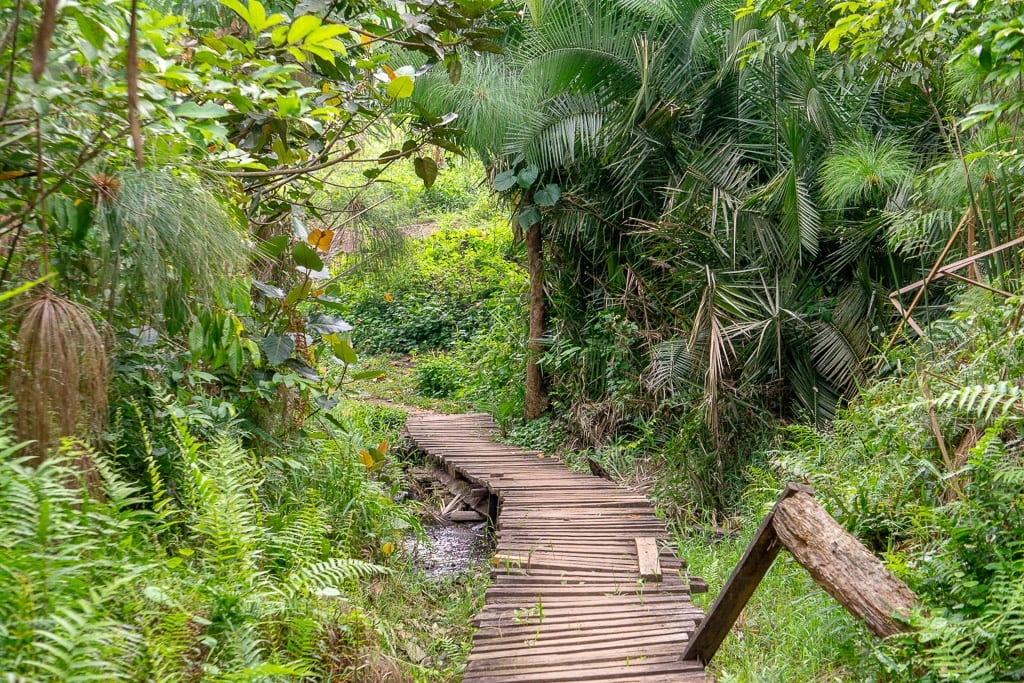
column 582, row 589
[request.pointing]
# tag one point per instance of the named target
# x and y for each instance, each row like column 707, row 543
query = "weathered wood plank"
column 647, row 558
column 736, row 593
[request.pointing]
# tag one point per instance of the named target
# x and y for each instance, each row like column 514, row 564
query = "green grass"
column 428, row 622
column 397, row 387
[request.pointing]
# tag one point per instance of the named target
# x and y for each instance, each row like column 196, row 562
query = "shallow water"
column 450, row 549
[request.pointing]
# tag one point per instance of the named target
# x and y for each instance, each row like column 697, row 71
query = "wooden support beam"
column 734, row 595
column 466, row 516
column 647, row 558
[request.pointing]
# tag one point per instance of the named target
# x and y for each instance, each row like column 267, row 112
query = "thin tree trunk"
column 536, row 393
column 41, row 44
column 132, row 73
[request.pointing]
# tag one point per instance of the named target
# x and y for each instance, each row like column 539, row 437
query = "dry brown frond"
column 107, row 186
column 59, row 374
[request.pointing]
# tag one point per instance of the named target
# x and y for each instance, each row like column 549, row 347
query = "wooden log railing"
column 837, row 561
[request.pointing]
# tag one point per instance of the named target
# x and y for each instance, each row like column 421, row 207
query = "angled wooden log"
column 841, row 565
column 737, row 590
column 837, row 561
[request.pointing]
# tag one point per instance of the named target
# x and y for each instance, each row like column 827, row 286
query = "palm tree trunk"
column 536, row 393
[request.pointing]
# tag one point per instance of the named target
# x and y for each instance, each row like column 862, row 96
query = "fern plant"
column 977, row 576
column 204, row 577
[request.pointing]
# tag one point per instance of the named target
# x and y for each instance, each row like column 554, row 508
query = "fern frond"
column 334, row 573
column 984, row 400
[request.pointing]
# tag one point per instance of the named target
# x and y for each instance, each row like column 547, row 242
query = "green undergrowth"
column 951, row 525
column 791, row 630
column 446, row 325
column 222, row 564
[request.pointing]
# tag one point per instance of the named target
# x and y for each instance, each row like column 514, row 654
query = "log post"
column 733, row 597
column 841, row 565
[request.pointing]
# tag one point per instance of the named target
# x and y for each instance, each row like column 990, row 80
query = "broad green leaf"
column 505, row 180
column 547, row 195
column 529, row 216
column 325, row 33
column 298, row 293
column 236, row 357
column 332, row 44
column 321, row 52
column 196, row 340
column 273, row 20
column 277, row 347
column 234, row 43
column 426, row 170
column 278, row 36
column 367, row 374
column 289, row 104
column 302, row 370
column 302, row 27
column 306, row 257
column 401, row 87
column 528, row 176
column 237, row 7
column 193, row 110
column 257, row 16
column 91, row 30
column 326, row 324
column 274, row 246
column 342, row 349
column 269, row 291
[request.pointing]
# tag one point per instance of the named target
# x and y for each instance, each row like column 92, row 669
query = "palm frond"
column 670, row 370
column 558, row 132
column 172, row 240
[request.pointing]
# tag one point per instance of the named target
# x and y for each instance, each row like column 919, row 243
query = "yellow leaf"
column 401, row 88
column 366, row 458
column 389, row 71
column 320, row 52
column 302, row 27
column 321, row 239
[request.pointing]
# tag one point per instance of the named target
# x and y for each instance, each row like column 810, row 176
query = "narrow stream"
column 450, row 549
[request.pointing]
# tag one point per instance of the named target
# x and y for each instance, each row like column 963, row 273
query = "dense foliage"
column 766, row 241
column 183, row 495
column 727, row 204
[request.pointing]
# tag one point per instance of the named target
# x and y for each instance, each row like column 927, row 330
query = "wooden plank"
column 756, row 561
column 647, row 558
column 466, row 516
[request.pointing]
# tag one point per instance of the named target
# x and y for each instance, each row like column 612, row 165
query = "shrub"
column 438, row 376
